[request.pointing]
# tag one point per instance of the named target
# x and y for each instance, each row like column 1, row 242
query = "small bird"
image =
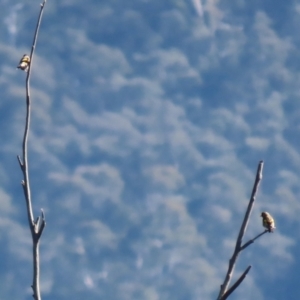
column 267, row 221
column 24, row 63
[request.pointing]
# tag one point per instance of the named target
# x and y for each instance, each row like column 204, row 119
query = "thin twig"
column 35, row 231
column 252, row 240
column 243, row 228
column 20, row 162
column 238, row 282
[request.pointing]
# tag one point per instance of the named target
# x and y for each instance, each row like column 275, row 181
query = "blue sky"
column 149, row 119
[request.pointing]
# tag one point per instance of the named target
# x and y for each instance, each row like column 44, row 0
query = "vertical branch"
column 36, row 227
column 238, row 246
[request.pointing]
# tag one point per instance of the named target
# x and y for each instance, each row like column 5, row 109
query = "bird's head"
column 264, row 214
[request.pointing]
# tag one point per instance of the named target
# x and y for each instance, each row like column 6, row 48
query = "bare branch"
column 20, row 162
column 238, row 282
column 243, row 228
column 25, row 182
column 37, row 222
column 252, row 241
column 41, row 226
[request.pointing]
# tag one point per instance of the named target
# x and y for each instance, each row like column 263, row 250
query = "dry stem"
column 36, row 227
column 224, row 292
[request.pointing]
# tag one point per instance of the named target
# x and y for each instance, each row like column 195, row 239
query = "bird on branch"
column 24, row 63
column 268, row 221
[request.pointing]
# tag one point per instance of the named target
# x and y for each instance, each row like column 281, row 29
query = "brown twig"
column 238, row 246
column 36, row 228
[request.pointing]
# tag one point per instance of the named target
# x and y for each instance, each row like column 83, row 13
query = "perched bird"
column 24, row 63
column 268, row 221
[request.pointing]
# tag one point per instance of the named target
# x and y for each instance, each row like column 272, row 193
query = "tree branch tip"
column 41, row 229
column 37, row 221
column 260, row 169
column 261, row 164
column 20, row 161
column 43, row 214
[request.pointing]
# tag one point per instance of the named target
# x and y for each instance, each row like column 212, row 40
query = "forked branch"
column 36, row 227
column 238, row 282
column 238, row 247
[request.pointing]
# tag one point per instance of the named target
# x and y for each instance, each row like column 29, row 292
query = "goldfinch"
column 24, row 63
column 267, row 221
